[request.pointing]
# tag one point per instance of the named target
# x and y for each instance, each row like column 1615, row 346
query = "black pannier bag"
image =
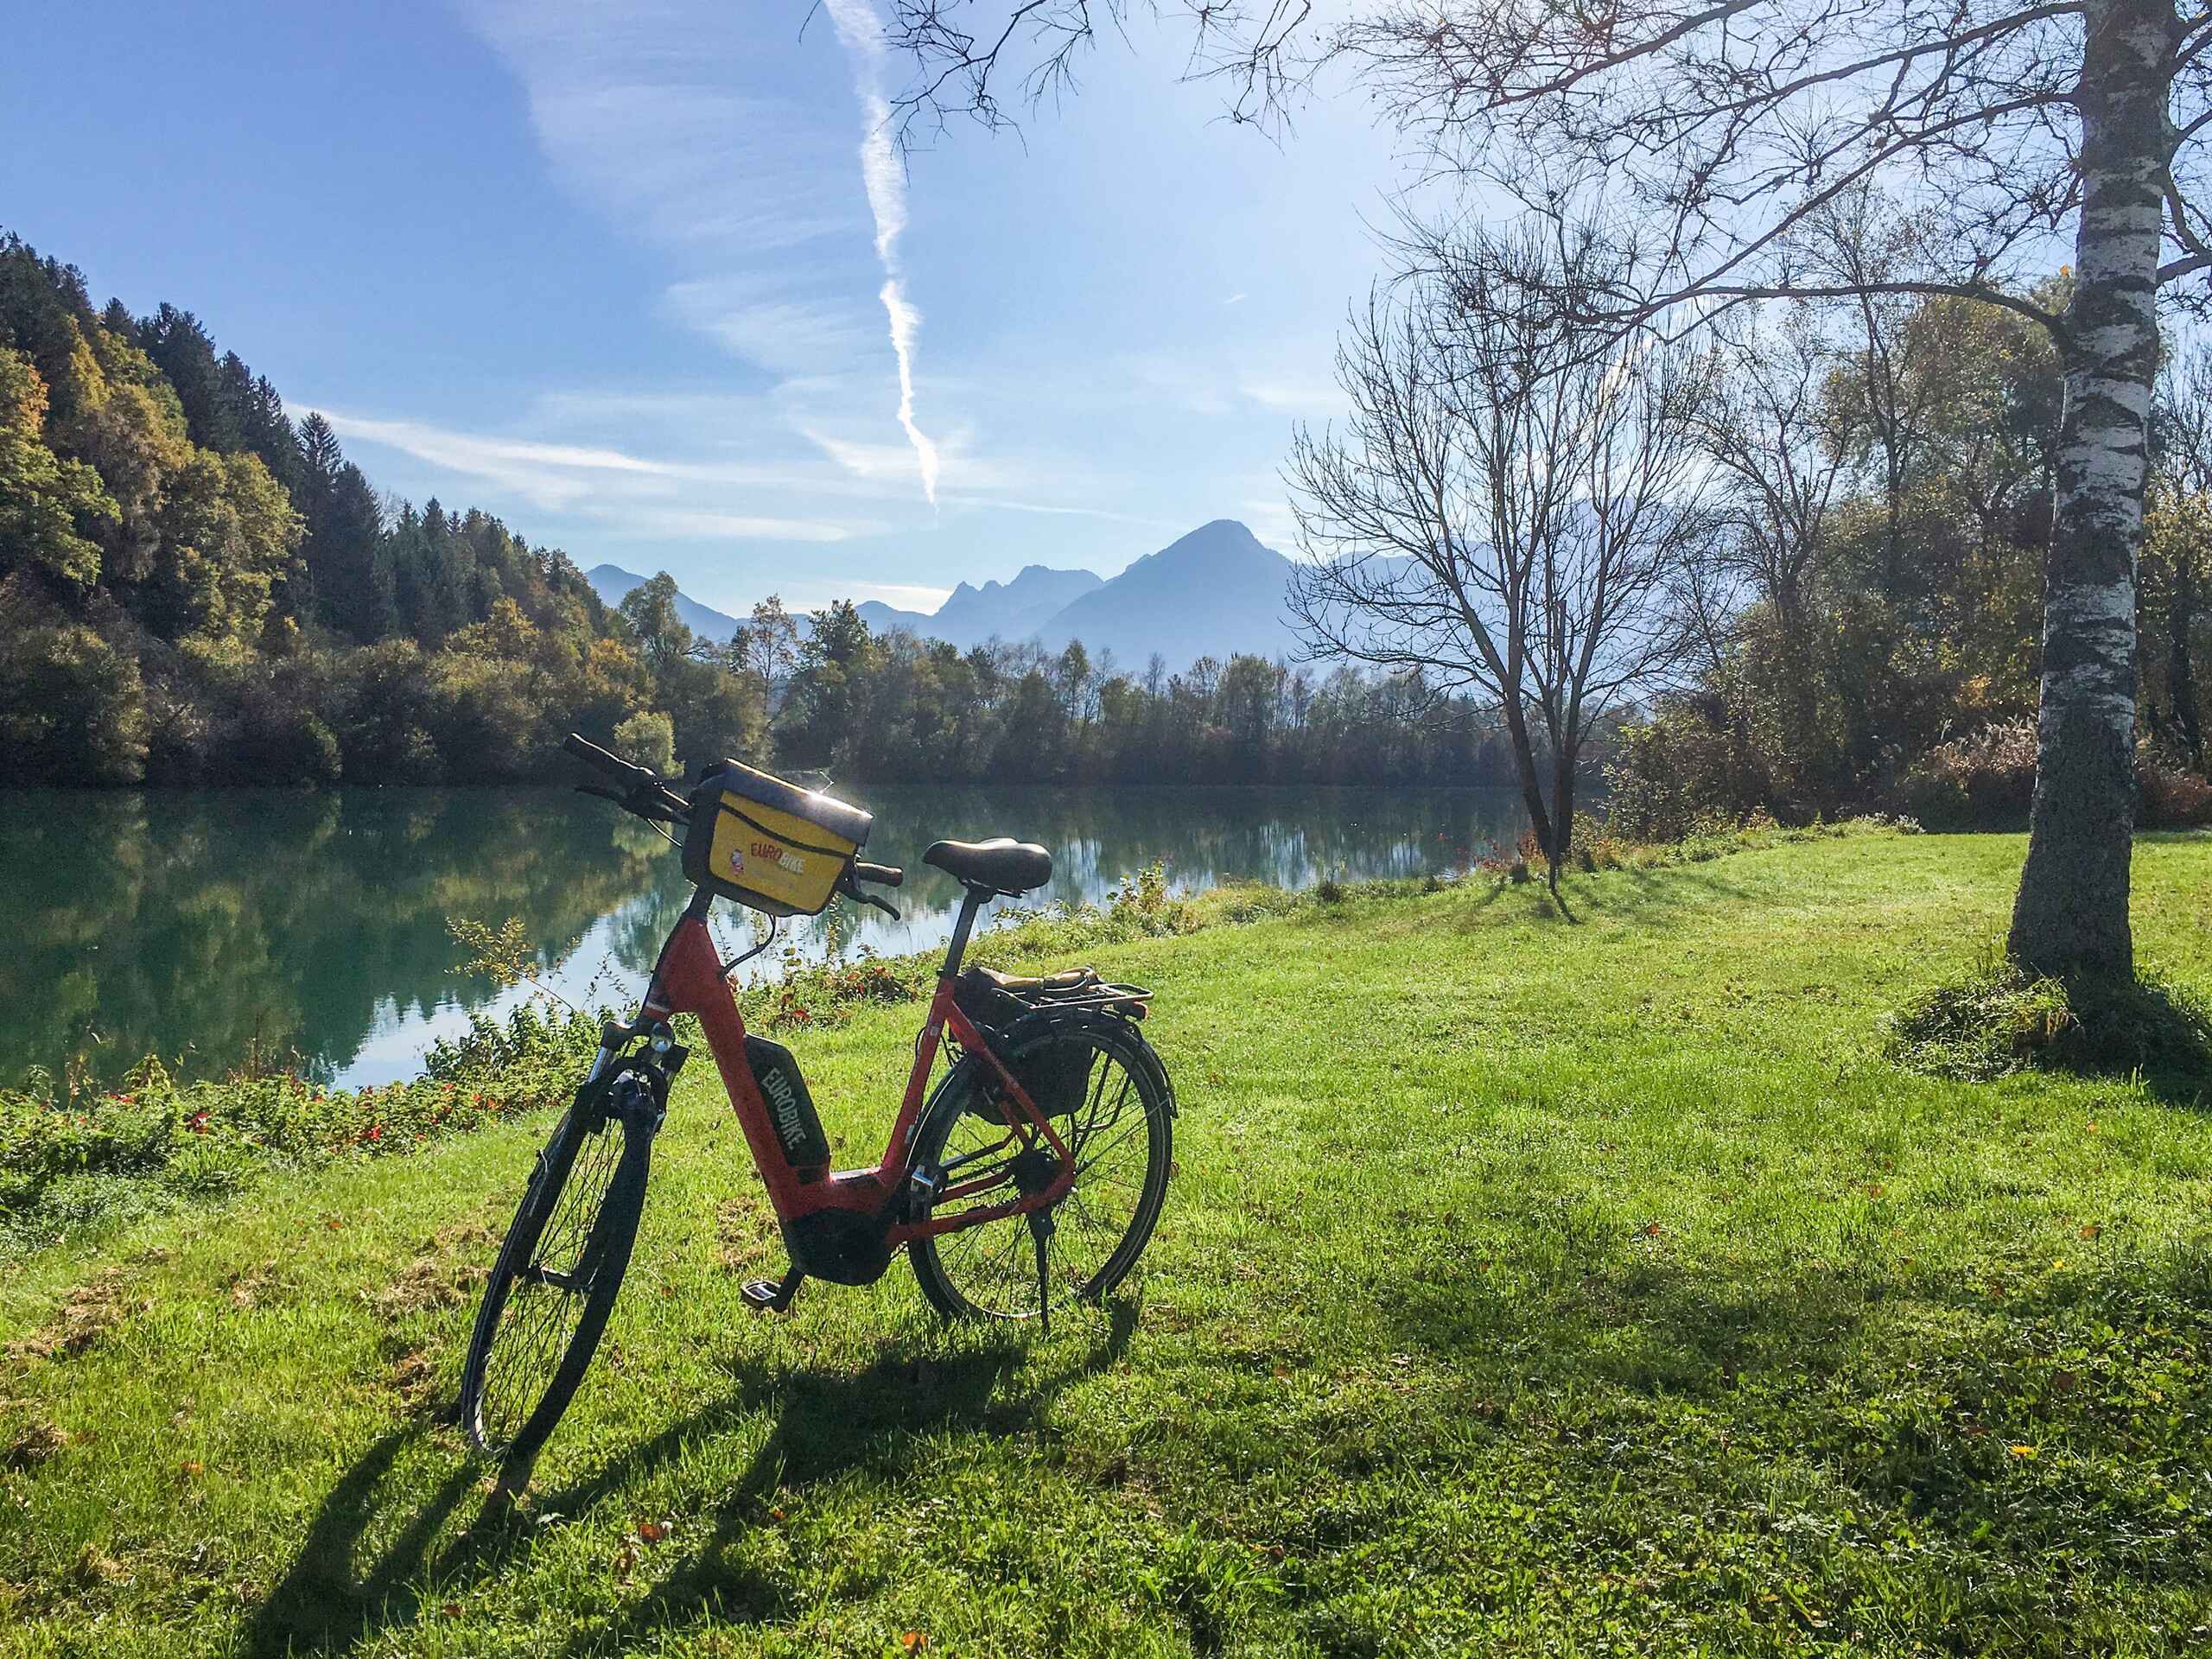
column 1053, row 1071
column 1056, row 1075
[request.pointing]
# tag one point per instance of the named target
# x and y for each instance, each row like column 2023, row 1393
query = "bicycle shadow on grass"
column 825, row 1425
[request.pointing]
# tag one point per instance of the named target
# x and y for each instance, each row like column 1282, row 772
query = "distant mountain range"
column 997, row 610
column 1215, row 591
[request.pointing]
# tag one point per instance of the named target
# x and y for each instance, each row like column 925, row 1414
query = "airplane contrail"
column 886, row 178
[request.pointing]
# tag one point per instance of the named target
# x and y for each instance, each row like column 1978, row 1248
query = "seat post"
column 969, row 905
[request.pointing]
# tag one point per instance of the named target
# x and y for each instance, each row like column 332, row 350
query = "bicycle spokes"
column 558, row 1273
column 1116, row 1130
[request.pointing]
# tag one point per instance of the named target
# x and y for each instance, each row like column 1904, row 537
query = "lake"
column 213, row 926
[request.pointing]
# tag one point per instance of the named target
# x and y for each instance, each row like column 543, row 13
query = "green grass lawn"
column 1525, row 1286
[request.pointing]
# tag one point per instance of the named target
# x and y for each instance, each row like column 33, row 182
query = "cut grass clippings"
column 1998, row 1019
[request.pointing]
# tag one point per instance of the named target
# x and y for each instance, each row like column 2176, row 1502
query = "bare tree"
column 1722, row 131
column 766, row 646
column 971, row 58
column 1505, row 510
column 2182, row 567
column 1774, row 436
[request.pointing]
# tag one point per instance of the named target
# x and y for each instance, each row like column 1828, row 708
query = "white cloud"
column 1194, row 388
column 678, row 499
column 1003, row 505
column 899, row 596
column 1208, row 386
column 1270, row 518
column 986, row 481
column 865, row 459
column 467, row 453
column 554, row 476
column 1294, row 395
column 886, row 182
column 632, row 105
column 676, row 161
column 782, row 333
column 696, row 524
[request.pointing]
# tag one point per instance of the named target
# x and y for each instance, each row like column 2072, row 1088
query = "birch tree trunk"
column 2070, row 918
column 1562, row 815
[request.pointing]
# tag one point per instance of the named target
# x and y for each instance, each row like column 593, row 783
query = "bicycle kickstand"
column 762, row 1297
column 1040, row 1228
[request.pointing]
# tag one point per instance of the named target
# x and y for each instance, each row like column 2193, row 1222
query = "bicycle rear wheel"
column 1118, row 1126
column 554, row 1281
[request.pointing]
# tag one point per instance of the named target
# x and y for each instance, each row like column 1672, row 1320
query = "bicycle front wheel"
column 554, row 1285
column 1115, row 1115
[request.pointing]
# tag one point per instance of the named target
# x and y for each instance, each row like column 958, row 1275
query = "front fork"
column 661, row 1051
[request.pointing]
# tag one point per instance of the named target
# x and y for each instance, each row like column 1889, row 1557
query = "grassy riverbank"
column 1528, row 1284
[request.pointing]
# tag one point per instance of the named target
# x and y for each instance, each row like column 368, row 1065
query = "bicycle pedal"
column 770, row 1296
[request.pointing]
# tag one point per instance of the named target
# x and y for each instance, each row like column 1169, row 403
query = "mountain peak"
column 1213, row 592
column 612, row 583
column 1007, row 610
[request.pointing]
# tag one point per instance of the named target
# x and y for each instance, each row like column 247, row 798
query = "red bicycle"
column 1032, row 1175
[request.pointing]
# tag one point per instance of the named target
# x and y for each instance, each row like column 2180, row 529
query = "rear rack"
column 1133, row 1000
column 989, row 1001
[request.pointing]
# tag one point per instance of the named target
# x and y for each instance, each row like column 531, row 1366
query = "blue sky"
column 616, row 272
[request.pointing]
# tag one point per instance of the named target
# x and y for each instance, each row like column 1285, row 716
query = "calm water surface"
column 209, row 926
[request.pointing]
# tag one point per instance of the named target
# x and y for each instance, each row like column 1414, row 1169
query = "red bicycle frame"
column 689, row 979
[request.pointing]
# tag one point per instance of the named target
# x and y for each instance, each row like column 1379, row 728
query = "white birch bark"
column 2070, row 918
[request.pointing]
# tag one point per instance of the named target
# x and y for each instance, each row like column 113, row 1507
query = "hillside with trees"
column 195, row 588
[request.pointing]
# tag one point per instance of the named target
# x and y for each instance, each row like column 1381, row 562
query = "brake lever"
column 851, row 889
column 652, row 803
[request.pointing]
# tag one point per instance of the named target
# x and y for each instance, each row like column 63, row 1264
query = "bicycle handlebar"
column 646, row 795
column 650, row 799
column 584, row 749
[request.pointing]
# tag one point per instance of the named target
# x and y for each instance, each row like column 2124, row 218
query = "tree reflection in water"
column 215, row 926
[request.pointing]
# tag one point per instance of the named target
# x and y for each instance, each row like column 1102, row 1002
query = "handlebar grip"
column 884, row 875
column 583, row 749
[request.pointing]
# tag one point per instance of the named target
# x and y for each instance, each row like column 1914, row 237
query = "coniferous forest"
column 197, row 588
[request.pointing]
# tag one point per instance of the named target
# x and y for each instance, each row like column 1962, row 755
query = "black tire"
column 542, row 1318
column 1123, row 1138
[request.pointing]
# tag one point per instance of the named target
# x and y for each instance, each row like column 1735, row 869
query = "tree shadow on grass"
column 825, row 1427
column 1657, row 899
column 1667, row 894
column 1636, row 1325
